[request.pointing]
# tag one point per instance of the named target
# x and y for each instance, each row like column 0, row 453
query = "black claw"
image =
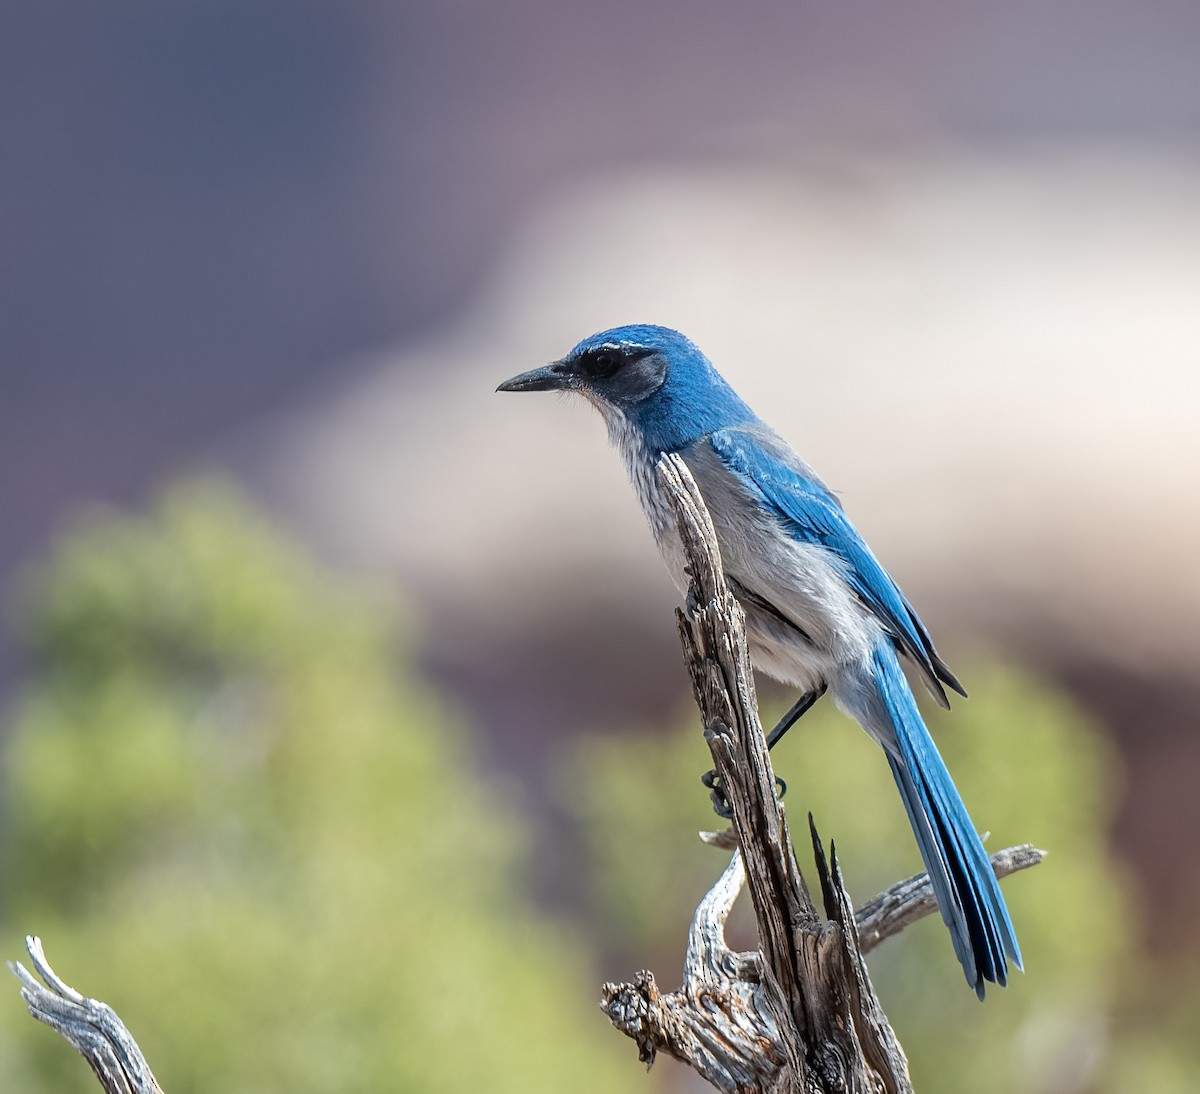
column 720, row 803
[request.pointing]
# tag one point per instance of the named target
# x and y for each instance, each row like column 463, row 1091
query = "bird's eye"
column 603, row 364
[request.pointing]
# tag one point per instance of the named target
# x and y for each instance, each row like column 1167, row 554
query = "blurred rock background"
column 953, row 253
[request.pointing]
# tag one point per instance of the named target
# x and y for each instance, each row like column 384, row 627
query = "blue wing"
column 812, row 514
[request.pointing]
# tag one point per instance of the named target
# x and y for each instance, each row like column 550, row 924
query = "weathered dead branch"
column 92, row 1027
column 799, row 1015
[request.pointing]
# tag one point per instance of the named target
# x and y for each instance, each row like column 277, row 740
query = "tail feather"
column 964, row 883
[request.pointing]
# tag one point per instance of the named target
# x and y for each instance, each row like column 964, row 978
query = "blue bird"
column 821, row 612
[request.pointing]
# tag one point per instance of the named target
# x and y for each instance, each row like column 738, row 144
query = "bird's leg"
column 797, row 711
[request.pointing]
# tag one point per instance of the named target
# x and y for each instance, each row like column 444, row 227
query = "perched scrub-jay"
column 822, row 613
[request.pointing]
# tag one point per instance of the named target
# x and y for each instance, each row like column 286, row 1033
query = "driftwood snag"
column 797, row 1015
column 92, row 1027
column 800, row 1014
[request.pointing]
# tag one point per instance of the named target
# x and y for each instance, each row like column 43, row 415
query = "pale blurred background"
column 952, row 252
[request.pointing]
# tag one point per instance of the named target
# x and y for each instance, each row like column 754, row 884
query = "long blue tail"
column 968, row 894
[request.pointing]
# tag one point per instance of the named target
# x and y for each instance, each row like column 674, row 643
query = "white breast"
column 832, row 629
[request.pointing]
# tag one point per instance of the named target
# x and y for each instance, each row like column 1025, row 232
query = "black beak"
column 556, row 377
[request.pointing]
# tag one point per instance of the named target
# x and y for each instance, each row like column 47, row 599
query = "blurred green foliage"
column 1031, row 770
column 232, row 812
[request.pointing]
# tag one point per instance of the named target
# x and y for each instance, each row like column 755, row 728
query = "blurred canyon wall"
column 952, row 253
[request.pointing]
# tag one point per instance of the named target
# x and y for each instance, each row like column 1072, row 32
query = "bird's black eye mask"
column 605, row 362
column 622, row 376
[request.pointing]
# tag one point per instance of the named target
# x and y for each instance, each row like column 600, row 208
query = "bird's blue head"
column 646, row 379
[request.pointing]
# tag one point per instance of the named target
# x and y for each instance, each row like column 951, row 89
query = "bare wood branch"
column 797, row 1015
column 91, row 1026
column 887, row 914
column 904, row 903
column 801, row 1014
column 726, row 1019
